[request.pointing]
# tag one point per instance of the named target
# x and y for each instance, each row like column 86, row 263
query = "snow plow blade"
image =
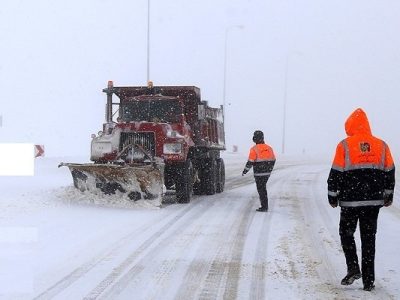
column 143, row 181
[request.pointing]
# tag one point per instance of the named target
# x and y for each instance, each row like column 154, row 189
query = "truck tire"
column 220, row 175
column 210, row 177
column 184, row 182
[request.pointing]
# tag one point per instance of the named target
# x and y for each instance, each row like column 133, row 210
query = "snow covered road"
column 57, row 246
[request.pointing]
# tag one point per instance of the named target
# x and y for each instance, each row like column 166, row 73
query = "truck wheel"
column 210, row 176
column 184, row 182
column 220, row 175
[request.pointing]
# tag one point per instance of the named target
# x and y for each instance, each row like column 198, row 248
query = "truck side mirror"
column 201, row 112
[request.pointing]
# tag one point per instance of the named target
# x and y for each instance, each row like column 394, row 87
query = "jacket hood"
column 357, row 123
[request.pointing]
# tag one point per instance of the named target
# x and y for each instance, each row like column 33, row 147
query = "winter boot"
column 350, row 277
column 369, row 287
column 262, row 209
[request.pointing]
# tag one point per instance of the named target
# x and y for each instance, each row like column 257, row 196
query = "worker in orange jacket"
column 361, row 181
column 262, row 159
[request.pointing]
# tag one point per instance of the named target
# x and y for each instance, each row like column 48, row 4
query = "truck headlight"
column 172, row 148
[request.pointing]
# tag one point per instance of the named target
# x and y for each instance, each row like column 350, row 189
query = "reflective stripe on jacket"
column 262, row 159
column 363, row 169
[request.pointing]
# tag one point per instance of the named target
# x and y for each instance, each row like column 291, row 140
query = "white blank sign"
column 16, row 159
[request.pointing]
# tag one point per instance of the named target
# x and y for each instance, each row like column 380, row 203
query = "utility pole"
column 284, row 104
column 148, row 41
column 226, row 68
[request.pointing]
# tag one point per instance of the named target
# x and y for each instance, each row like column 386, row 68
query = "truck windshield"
column 167, row 111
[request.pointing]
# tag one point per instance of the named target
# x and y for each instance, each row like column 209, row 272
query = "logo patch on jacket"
column 365, row 147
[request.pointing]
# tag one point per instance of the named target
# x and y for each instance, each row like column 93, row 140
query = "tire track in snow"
column 164, row 272
column 259, row 265
column 82, row 270
column 214, row 241
column 132, row 266
column 293, row 262
column 189, row 282
column 317, row 220
column 257, row 269
column 238, row 181
column 235, row 263
column 289, row 247
column 222, row 263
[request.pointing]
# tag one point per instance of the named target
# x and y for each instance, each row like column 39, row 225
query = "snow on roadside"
column 70, row 195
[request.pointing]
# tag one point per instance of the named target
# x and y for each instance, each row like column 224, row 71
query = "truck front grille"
column 144, row 139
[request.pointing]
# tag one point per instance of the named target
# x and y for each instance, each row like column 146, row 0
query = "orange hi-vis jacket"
column 262, row 159
column 363, row 171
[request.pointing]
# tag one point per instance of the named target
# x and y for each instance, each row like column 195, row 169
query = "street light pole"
column 285, row 96
column 226, row 59
column 284, row 104
column 226, row 68
column 148, row 41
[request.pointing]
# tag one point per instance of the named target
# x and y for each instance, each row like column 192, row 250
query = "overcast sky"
column 56, row 56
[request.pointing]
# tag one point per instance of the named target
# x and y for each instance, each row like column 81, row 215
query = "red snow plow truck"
column 155, row 136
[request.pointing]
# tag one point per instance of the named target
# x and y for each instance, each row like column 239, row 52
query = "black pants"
column 261, row 182
column 368, row 217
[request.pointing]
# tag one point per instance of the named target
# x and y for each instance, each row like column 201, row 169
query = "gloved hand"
column 244, row 172
column 387, row 199
column 333, row 201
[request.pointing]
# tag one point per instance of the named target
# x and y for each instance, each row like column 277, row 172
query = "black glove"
column 333, row 200
column 244, row 172
column 387, row 199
